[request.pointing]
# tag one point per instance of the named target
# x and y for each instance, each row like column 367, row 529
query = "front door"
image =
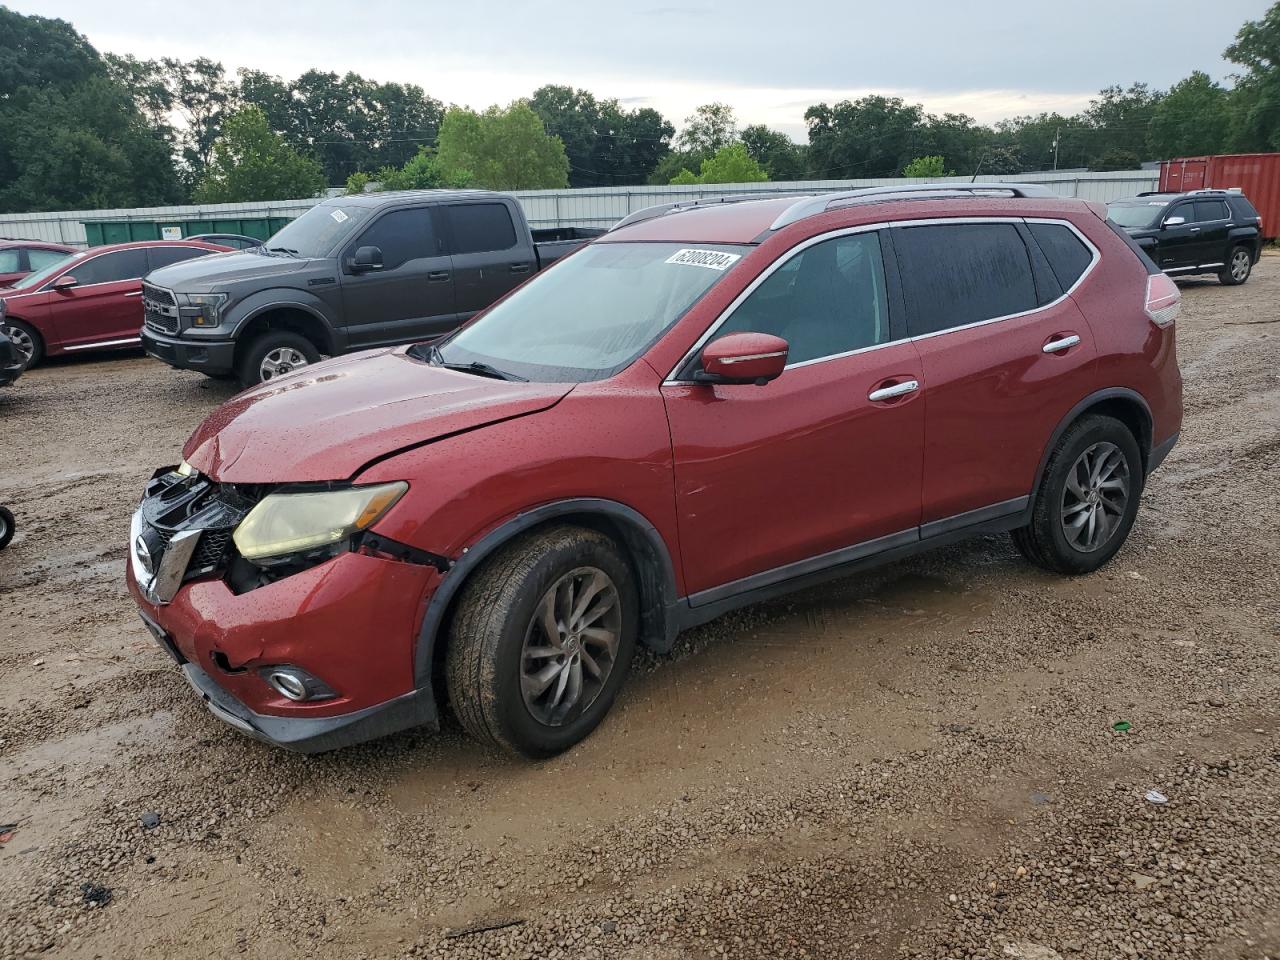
column 1179, row 244
column 809, row 470
column 411, row 296
column 105, row 306
column 1214, row 220
column 1004, row 352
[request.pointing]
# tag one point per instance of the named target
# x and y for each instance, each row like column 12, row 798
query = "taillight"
column 1164, row 300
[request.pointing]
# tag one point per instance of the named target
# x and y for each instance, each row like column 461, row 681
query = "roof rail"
column 662, row 209
column 820, row 203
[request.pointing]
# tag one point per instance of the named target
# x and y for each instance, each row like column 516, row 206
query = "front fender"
column 279, row 298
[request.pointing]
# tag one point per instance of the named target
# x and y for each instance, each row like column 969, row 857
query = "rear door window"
column 826, row 300
column 112, row 267
column 1242, row 209
column 1068, row 257
column 957, row 274
column 401, row 235
column 480, row 227
column 163, row 256
column 1207, row 211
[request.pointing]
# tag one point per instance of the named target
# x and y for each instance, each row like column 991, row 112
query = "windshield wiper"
column 436, row 358
column 289, row 250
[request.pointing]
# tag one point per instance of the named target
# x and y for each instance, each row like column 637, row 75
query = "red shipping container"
column 1256, row 175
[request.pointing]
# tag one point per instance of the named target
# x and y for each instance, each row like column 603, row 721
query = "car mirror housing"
column 743, row 358
column 64, row 282
column 1174, row 222
column 365, row 258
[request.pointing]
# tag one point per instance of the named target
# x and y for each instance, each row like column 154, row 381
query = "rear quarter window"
column 958, row 274
column 1242, row 209
column 1068, row 257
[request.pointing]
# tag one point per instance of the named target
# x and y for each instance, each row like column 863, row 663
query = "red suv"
column 712, row 404
column 20, row 257
column 90, row 301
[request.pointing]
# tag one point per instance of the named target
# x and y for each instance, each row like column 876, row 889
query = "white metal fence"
column 595, row 207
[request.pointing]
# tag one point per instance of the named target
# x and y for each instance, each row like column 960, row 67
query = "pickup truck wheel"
column 27, row 340
column 1239, row 266
column 6, row 527
column 542, row 640
column 1087, row 500
column 274, row 354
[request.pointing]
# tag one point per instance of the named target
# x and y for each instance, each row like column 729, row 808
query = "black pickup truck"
column 349, row 274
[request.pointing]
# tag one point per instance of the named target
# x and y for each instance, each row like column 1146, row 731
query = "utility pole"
column 1057, row 135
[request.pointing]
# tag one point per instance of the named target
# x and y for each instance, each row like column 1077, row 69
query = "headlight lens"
column 285, row 523
column 204, row 309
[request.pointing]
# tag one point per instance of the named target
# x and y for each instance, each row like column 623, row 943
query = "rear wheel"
column 27, row 340
column 542, row 641
column 1087, row 500
column 1239, row 266
column 273, row 354
column 6, row 527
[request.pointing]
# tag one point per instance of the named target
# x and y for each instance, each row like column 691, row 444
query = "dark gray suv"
column 350, row 273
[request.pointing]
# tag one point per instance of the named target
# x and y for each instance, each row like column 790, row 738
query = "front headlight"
column 287, row 523
column 204, row 309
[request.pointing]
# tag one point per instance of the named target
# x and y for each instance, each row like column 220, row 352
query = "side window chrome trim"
column 1095, row 257
column 47, row 286
column 777, row 264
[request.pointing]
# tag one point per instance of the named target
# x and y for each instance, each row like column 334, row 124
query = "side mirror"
column 366, row 258
column 1174, row 222
column 64, row 282
column 743, row 358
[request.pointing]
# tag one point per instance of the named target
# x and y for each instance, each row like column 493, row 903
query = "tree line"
column 84, row 129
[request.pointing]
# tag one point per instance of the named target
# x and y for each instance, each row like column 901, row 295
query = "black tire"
column 1239, row 267
column 1045, row 541
column 32, row 335
column 496, row 616
column 6, row 527
column 250, row 369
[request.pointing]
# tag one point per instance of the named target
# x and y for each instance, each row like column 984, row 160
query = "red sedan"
column 21, row 257
column 90, row 301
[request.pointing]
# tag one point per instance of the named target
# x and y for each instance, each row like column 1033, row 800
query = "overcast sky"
column 769, row 60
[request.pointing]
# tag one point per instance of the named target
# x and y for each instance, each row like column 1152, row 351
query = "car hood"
column 326, row 421
column 208, row 274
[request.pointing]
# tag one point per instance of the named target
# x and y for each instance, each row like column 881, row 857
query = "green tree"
column 1119, row 119
column 1191, row 120
column 1255, row 101
column 605, row 144
column 927, row 167
column 870, row 137
column 1117, row 158
column 503, row 148
column 202, row 96
column 730, row 164
column 780, row 156
column 251, row 162
column 709, row 128
column 422, row 172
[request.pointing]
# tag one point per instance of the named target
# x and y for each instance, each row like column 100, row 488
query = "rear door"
column 1004, row 352
column 411, row 297
column 489, row 255
column 104, row 308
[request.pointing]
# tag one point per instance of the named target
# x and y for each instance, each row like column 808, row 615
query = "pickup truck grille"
column 159, row 309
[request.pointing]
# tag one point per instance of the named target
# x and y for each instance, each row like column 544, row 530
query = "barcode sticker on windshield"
column 713, row 259
column 339, row 216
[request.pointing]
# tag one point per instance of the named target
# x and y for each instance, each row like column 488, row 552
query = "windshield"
column 32, row 280
column 316, row 232
column 1143, row 213
column 593, row 313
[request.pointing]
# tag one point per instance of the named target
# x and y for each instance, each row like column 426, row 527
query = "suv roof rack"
column 662, row 209
column 820, row 203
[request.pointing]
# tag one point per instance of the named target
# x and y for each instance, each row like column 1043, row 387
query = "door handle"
column 1062, row 343
column 896, row 390
column 436, row 276
column 134, row 293
column 1195, row 229
column 519, row 268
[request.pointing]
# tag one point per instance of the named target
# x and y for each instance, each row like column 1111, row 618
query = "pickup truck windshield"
column 317, row 232
column 1144, row 214
column 593, row 313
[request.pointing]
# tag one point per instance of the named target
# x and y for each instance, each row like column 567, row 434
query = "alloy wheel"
column 22, row 341
column 1240, row 266
column 571, row 646
column 1096, row 496
column 280, row 361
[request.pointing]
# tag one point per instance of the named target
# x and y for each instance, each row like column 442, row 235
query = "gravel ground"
column 918, row 762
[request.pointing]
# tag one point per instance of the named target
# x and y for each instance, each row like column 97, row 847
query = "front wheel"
column 542, row 641
column 273, row 354
column 1087, row 500
column 6, row 527
column 27, row 341
column 1239, row 266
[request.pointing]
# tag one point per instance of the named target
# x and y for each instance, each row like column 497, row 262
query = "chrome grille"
column 157, row 295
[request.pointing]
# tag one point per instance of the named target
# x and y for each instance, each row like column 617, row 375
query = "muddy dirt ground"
column 917, row 762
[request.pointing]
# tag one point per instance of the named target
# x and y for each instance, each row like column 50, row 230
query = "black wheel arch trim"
column 645, row 545
column 257, row 310
column 1074, row 414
